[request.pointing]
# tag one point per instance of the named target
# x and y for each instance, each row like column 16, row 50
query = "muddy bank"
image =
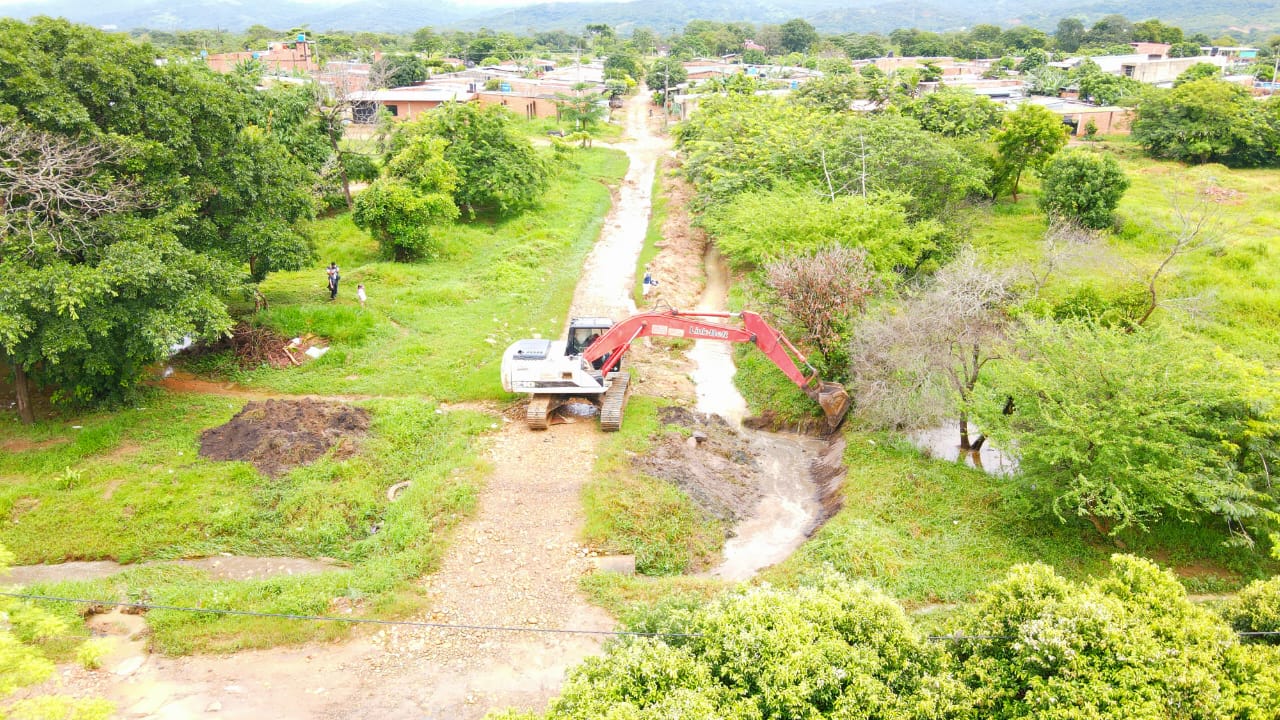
column 712, row 465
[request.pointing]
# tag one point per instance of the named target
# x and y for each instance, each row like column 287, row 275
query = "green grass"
column 657, row 217
column 931, row 530
column 603, row 131
column 629, row 512
column 130, row 486
column 1237, row 281
column 437, row 328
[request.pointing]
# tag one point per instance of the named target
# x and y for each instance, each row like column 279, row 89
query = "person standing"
column 648, row 283
column 360, row 294
column 334, row 276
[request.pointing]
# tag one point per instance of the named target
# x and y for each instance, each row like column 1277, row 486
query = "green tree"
column 1184, row 49
column 1027, row 138
column 1199, row 71
column 427, row 40
column 1107, row 89
column 1069, row 35
column 1110, row 30
column 955, row 112
column 862, row 47
column 798, row 35
column 623, row 64
column 664, row 74
column 402, row 219
column 1127, row 644
column 1126, row 429
column 399, row 71
column 1206, row 120
column 498, row 169
column 834, row 93
column 1083, row 187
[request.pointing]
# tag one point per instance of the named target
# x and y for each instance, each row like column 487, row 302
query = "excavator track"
column 614, row 402
column 538, row 414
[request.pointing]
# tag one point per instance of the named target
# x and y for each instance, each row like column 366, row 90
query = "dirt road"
column 516, row 564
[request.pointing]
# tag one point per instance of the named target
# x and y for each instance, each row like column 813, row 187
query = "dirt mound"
column 712, row 465
column 276, row 435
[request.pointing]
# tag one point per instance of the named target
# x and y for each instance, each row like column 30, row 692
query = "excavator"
column 587, row 365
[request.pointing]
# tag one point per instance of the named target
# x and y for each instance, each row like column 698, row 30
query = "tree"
column 427, row 40
column 1184, row 50
column 862, row 47
column 1107, row 89
column 583, row 108
column 955, row 112
column 1028, row 137
column 1206, row 120
column 1069, row 35
column 798, row 35
column 498, row 170
column 623, row 64
column 334, row 106
column 1083, row 187
column 644, row 41
column 398, row 71
column 1126, row 429
column 401, row 218
column 921, row 363
column 664, row 74
column 821, row 294
column 834, row 93
column 1129, row 643
column 1110, row 30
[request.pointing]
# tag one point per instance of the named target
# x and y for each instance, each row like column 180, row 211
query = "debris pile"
column 276, row 435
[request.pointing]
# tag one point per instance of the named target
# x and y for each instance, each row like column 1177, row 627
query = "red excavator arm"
column 615, row 343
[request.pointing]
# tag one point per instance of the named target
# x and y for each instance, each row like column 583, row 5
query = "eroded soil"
column 276, row 435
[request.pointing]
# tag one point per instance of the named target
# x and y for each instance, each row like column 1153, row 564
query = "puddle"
column 943, row 443
column 789, row 506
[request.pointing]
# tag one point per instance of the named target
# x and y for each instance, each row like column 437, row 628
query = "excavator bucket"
column 834, row 400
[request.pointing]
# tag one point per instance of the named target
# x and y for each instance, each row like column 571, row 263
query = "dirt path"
column 515, row 564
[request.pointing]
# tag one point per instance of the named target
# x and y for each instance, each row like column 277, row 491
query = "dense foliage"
column 1129, row 644
column 189, row 197
column 1209, row 120
column 498, row 170
column 1082, row 187
column 1128, row 428
column 1027, row 138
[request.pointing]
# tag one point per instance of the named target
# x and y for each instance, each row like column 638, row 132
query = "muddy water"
column 943, row 443
column 713, row 361
column 789, row 507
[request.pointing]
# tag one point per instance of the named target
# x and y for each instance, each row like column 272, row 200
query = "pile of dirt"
column 276, row 435
column 1222, row 196
column 713, row 465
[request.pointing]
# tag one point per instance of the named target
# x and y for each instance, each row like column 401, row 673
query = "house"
column 404, row 103
column 1153, row 51
column 750, row 44
column 280, row 58
column 1160, row 71
column 1077, row 115
column 1234, row 54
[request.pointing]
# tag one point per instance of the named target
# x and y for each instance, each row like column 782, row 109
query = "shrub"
column 1257, row 609
column 1084, row 187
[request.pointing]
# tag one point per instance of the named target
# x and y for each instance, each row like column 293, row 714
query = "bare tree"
column 822, row 293
column 1197, row 222
column 921, row 363
column 1063, row 244
column 51, row 189
column 336, row 98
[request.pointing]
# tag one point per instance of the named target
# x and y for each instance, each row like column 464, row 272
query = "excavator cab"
column 584, row 331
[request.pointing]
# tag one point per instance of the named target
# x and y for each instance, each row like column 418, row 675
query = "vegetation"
column 1082, row 188
column 1040, row 645
column 404, row 210
column 1124, row 428
column 165, row 195
column 1027, row 138
column 1209, row 120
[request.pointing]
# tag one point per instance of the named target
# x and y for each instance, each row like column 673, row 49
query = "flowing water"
column 788, row 509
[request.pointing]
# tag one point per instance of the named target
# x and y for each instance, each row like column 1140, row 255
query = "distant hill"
column 663, row 15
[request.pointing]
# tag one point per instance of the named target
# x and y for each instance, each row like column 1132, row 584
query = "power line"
column 349, row 620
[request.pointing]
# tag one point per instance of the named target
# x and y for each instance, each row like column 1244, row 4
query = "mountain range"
column 662, row 15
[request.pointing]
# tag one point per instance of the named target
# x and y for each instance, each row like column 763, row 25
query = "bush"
column 1083, row 187
column 1257, row 609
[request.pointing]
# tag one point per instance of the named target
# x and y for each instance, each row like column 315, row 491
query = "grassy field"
column 436, row 329
column 130, row 486
column 652, row 235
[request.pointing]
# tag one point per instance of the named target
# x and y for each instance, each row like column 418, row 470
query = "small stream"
column 943, row 443
column 789, row 507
